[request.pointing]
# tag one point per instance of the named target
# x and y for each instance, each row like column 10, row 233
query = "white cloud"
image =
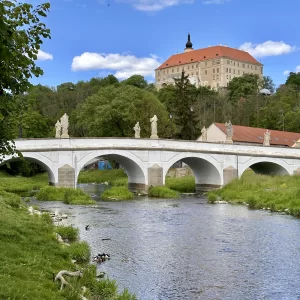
column 268, row 48
column 287, row 72
column 44, row 55
column 215, row 1
column 155, row 5
column 124, row 65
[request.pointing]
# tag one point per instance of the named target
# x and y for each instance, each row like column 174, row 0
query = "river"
column 187, row 249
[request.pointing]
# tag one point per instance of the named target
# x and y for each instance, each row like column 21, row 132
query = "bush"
column 117, row 193
column 162, row 192
column 67, row 232
column 12, row 200
column 212, row 197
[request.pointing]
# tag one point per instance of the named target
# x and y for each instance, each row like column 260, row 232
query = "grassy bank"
column 30, row 254
column 277, row 193
column 18, row 184
column 182, row 184
column 117, row 193
column 162, row 192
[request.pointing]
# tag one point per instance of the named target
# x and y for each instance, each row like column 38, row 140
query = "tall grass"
column 67, row 195
column 101, row 176
column 162, row 192
column 117, row 193
column 17, row 184
column 182, row 184
column 277, row 193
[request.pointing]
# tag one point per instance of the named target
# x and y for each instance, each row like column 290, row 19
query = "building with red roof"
column 213, row 66
column 216, row 132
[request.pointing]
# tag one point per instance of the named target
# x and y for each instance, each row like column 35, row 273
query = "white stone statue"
column 64, row 120
column 57, row 130
column 229, row 131
column 154, row 127
column 204, row 133
column 137, row 130
column 267, row 138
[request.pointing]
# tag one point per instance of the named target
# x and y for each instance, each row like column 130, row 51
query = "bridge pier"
column 229, row 174
column 137, row 187
column 66, row 176
column 201, row 188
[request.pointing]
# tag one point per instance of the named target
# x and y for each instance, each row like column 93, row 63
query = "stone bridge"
column 147, row 161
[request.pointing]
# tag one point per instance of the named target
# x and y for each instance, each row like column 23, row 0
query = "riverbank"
column 31, row 257
column 274, row 193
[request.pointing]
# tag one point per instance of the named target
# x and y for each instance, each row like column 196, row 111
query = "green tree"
column 267, row 83
column 114, row 110
column 20, row 38
column 293, row 79
column 183, row 108
column 137, row 81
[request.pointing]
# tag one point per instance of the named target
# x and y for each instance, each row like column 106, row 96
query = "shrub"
column 212, row 197
column 162, row 192
column 12, row 200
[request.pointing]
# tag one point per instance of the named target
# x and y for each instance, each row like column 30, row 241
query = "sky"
column 95, row 38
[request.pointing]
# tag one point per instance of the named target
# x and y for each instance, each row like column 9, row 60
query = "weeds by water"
column 117, row 193
column 162, row 192
column 276, row 193
column 181, row 184
column 67, row 195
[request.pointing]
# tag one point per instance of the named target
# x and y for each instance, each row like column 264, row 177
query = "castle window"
column 217, row 70
column 228, row 62
column 205, row 72
column 213, row 70
column 177, row 69
column 172, row 70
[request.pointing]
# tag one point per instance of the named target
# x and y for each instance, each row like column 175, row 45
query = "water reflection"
column 188, row 249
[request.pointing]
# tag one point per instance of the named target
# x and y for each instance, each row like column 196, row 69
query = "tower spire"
column 188, row 45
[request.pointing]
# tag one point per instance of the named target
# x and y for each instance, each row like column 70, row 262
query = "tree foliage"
column 21, row 33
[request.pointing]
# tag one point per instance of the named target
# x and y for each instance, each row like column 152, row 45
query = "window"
column 192, row 66
column 227, row 76
column 217, row 70
column 218, row 62
column 164, row 71
column 196, row 65
column 255, row 68
column 197, row 73
column 205, row 72
column 226, row 70
column 243, row 65
column 251, row 67
column 248, row 66
column 213, row 62
column 188, row 67
column 167, row 71
column 233, row 71
column 238, row 64
column 213, row 70
column 218, row 77
column 172, row 70
column 192, row 73
column 238, row 72
column 214, row 77
column 228, row 62
column 177, row 69
column 158, row 79
column 234, row 63
column 206, row 64
column 229, row 70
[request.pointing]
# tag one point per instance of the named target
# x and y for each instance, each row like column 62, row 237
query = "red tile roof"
column 256, row 135
column 206, row 54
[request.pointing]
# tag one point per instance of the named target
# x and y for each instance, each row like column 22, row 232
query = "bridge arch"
column 207, row 170
column 266, row 166
column 38, row 159
column 137, row 177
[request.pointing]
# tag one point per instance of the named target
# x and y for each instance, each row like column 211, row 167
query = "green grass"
column 162, row 192
column 101, row 176
column 181, row 184
column 67, row 232
column 18, row 184
column 277, row 193
column 117, row 193
column 67, row 195
column 30, row 255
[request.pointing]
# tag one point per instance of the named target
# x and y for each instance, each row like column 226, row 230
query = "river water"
column 187, row 249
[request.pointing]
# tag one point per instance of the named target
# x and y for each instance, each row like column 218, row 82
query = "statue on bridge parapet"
column 204, row 134
column 64, row 120
column 57, row 130
column 229, row 132
column 154, row 127
column 267, row 138
column 137, row 130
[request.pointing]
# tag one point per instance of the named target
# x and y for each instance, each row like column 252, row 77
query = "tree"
column 183, row 108
column 20, row 39
column 114, row 111
column 137, row 81
column 267, row 83
column 293, row 79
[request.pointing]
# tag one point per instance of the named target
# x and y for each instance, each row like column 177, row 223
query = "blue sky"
column 94, row 38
